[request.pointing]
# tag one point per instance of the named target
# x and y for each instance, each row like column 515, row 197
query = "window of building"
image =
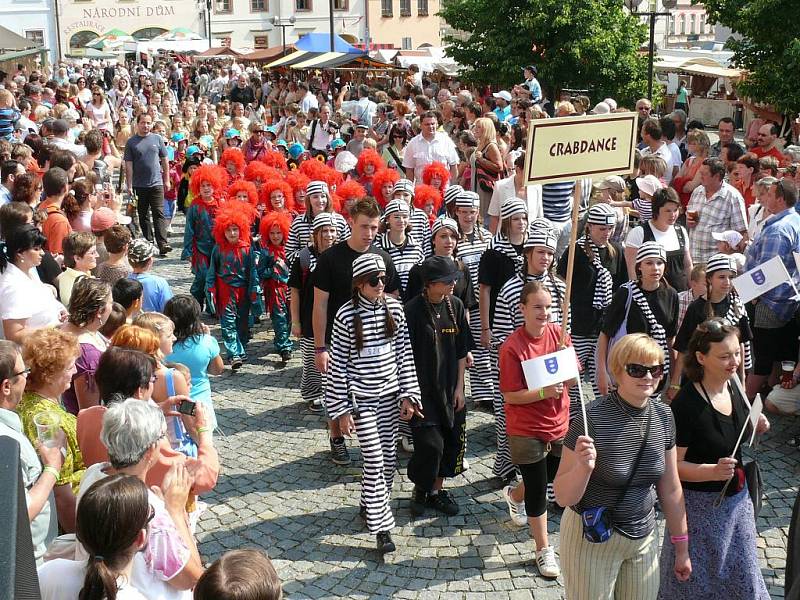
column 339, row 4
column 702, row 24
column 302, row 4
column 259, row 5
column 405, row 8
column 223, row 6
column 672, row 25
column 683, row 24
column 386, row 8
column 422, row 7
column 407, row 43
column 35, row 35
column 692, row 26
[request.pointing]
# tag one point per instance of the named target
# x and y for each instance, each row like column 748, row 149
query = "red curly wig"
column 424, row 194
column 235, row 156
column 232, row 214
column 274, row 159
column 351, row 189
column 434, row 169
column 297, row 181
column 268, row 221
column 244, row 186
column 381, row 178
column 313, row 169
column 277, row 184
column 257, row 170
column 213, row 174
column 369, row 156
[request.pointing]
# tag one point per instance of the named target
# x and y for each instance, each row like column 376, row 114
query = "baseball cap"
column 192, row 150
column 140, row 250
column 104, row 217
column 178, row 137
column 649, row 184
column 232, row 133
column 733, row 238
column 601, row 108
column 337, row 143
column 504, row 95
column 532, row 69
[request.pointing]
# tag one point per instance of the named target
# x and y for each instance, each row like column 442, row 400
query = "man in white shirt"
column 428, row 147
column 362, row 111
column 309, row 100
column 655, row 145
column 321, row 132
column 60, row 132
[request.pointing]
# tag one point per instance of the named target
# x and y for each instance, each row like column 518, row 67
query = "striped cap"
column 317, row 187
column 396, row 205
column 451, row 193
column 404, row 185
column 720, row 262
column 601, row 214
column 442, row 222
column 323, row 219
column 539, row 224
column 541, row 237
column 467, row 199
column 368, row 263
column 650, row 250
column 512, row 207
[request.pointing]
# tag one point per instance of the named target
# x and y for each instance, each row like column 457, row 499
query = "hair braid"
column 389, row 324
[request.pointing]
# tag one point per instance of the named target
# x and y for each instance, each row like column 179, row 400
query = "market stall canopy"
column 265, row 54
column 178, row 34
column 154, row 46
column 223, row 51
column 321, row 42
column 428, row 59
column 331, row 60
column 110, row 39
column 705, row 67
column 10, row 41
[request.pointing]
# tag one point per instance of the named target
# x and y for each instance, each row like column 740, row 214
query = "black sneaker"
column 362, row 512
column 339, row 453
column 164, row 250
column 383, row 541
column 419, row 499
column 286, row 355
column 794, row 442
column 236, row 363
column 443, row 503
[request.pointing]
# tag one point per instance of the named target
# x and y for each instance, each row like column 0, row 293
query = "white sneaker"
column 546, row 561
column 464, row 464
column 516, row 510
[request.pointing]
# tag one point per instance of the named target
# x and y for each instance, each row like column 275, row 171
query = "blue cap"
column 271, row 129
column 295, row 150
column 337, row 143
column 178, row 137
column 232, row 133
column 192, row 150
column 282, row 143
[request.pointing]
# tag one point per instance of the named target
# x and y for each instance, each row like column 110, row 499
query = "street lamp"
column 208, row 12
column 276, row 21
column 633, row 6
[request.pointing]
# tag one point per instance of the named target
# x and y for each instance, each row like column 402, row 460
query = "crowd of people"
column 386, row 232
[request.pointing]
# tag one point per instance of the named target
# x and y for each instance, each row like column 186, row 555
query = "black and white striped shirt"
column 618, row 429
column 404, row 257
column 383, row 366
column 470, row 249
column 507, row 317
column 421, row 229
column 557, row 201
column 300, row 233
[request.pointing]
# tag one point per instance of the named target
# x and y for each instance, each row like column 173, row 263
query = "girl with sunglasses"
column 720, row 300
column 709, row 415
column 648, row 305
column 371, row 372
column 614, row 478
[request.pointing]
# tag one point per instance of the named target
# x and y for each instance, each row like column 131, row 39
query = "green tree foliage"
column 769, row 47
column 578, row 44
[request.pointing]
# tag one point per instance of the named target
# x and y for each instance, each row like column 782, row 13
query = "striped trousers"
column 586, row 349
column 618, row 569
column 502, row 460
column 312, row 382
column 376, row 428
column 481, row 382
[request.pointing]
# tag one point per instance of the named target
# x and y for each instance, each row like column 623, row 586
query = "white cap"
column 733, row 238
column 601, row 108
column 504, row 95
column 612, row 104
column 649, row 184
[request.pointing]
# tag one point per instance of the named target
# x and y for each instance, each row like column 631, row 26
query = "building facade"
column 407, row 24
column 80, row 21
column 33, row 19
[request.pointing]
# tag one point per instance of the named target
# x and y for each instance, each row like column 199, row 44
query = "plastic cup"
column 787, row 368
column 48, row 424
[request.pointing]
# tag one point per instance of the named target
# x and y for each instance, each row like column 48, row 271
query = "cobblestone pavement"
column 279, row 491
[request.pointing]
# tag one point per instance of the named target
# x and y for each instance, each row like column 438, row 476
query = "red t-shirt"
column 782, row 160
column 547, row 419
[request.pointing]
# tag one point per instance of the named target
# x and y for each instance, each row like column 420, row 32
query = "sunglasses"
column 376, row 279
column 639, row 371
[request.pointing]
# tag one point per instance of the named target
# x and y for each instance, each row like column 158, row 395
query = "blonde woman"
column 486, row 162
column 688, row 177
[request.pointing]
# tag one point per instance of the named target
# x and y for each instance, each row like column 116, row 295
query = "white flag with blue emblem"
column 550, row 369
column 761, row 279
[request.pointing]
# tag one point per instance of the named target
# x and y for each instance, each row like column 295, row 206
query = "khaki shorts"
column 528, row 450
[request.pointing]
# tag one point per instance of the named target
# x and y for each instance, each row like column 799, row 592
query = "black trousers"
column 438, row 451
column 536, row 476
column 151, row 199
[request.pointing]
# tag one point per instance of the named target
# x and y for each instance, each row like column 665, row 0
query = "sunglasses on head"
column 639, row 371
column 374, row 280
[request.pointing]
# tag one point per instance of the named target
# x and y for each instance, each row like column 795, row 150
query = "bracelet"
column 541, row 393
column 52, row 470
column 674, row 386
column 320, row 349
column 202, row 429
column 678, row 538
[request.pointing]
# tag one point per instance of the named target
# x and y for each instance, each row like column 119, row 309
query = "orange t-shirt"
column 55, row 228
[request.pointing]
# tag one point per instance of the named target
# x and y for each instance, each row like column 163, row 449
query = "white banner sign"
column 550, row 369
column 761, row 279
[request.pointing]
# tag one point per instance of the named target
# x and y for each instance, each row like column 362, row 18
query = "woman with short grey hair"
column 132, row 433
